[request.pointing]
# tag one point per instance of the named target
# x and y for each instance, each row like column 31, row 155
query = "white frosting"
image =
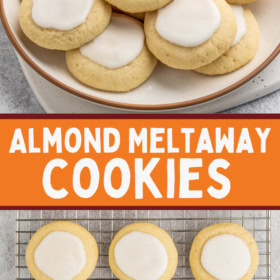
column 241, row 23
column 141, row 256
column 61, row 14
column 60, row 256
column 188, row 23
column 226, row 257
column 121, row 43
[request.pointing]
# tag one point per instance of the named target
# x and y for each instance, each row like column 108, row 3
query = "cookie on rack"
column 61, row 250
column 138, row 6
column 143, row 251
column 63, row 24
column 224, row 251
column 190, row 34
column 118, row 60
column 244, row 47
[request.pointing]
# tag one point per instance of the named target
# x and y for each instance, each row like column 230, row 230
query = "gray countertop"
column 15, row 93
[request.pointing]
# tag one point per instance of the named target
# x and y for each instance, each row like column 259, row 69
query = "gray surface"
column 275, row 245
column 17, row 97
column 7, row 245
column 15, row 93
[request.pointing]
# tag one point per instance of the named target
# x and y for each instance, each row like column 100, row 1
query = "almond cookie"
column 244, row 47
column 190, row 34
column 63, row 24
column 143, row 251
column 138, row 6
column 61, row 250
column 224, row 251
column 117, row 60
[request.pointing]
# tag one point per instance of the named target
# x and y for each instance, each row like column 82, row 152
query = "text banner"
column 134, row 161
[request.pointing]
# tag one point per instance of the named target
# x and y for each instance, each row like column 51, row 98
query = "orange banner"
column 139, row 162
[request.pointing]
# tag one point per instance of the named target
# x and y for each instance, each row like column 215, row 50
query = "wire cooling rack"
column 181, row 225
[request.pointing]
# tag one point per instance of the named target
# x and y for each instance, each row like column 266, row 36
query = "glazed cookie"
column 143, row 251
column 118, row 60
column 67, row 25
column 61, row 250
column 190, row 34
column 244, row 47
column 224, row 251
column 138, row 6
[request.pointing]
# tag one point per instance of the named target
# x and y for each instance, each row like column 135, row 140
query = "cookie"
column 140, row 16
column 62, row 32
column 198, row 44
column 143, row 251
column 61, row 250
column 224, row 249
column 118, row 60
column 238, row 55
column 138, row 6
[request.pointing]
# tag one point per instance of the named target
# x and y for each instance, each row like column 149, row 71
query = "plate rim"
column 124, row 105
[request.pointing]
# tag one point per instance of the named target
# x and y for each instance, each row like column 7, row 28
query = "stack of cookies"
column 118, row 51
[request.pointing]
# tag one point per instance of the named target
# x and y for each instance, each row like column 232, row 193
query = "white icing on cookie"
column 141, row 256
column 61, row 14
column 60, row 256
column 226, row 257
column 188, row 23
column 241, row 23
column 121, row 43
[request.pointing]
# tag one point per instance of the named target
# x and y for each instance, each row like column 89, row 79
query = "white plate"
column 167, row 88
column 55, row 100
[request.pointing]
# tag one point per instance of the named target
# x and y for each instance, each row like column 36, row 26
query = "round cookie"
column 238, row 55
column 55, row 39
column 188, row 58
column 149, row 229
column 213, row 231
column 117, row 79
column 241, row 2
column 90, row 247
column 138, row 6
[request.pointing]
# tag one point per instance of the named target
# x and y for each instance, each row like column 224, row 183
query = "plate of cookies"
column 148, row 54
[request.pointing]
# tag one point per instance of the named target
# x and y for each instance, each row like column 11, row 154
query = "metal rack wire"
column 181, row 225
